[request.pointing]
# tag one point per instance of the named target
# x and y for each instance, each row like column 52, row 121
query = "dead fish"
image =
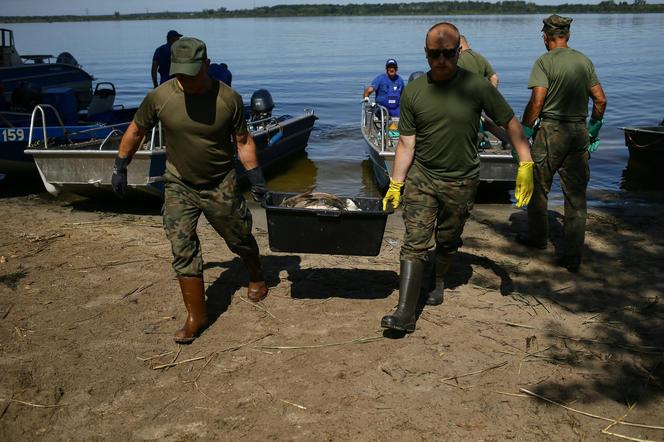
column 318, row 201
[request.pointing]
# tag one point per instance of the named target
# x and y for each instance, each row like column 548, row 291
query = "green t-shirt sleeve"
column 496, row 106
column 146, row 115
column 237, row 112
column 538, row 76
column 406, row 114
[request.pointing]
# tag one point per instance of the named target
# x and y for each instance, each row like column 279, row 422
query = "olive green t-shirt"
column 568, row 75
column 474, row 62
column 444, row 116
column 198, row 129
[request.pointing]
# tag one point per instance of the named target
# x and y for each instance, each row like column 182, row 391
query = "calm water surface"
column 324, row 64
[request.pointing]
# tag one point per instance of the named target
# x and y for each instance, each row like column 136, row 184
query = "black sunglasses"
column 438, row 53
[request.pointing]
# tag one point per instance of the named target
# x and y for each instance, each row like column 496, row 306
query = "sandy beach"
column 89, row 304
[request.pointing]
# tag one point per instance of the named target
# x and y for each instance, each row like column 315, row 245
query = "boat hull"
column 85, row 169
column 14, row 158
column 294, row 137
column 88, row 172
column 496, row 163
column 47, row 75
column 645, row 143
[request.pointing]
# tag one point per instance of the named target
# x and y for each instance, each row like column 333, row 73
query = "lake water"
column 324, row 63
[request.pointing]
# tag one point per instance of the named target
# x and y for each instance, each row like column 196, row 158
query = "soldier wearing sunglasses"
column 437, row 160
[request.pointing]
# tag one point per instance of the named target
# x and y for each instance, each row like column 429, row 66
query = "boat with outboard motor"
column 29, row 74
column 61, row 121
column 85, row 167
column 379, row 131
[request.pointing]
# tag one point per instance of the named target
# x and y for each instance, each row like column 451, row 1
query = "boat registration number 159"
column 13, row 135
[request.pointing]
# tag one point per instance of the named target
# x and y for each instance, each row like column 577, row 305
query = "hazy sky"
column 83, row 7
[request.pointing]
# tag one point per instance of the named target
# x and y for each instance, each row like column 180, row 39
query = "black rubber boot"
column 403, row 318
column 437, row 282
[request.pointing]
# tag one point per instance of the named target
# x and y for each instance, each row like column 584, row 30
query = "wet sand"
column 89, row 303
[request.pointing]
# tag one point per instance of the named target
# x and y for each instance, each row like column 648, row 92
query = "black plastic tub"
column 328, row 232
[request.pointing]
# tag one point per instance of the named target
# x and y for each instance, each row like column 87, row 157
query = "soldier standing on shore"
column 440, row 116
column 562, row 80
column 199, row 116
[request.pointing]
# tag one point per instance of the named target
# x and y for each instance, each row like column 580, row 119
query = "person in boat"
column 475, row 62
column 562, row 80
column 436, row 159
column 388, row 88
column 161, row 60
column 220, row 71
column 199, row 116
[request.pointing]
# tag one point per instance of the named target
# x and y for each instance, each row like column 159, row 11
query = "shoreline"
column 622, row 9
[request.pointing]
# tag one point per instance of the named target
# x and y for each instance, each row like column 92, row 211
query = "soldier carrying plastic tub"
column 437, row 159
column 199, row 116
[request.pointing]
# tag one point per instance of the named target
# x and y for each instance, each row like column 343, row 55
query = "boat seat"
column 102, row 100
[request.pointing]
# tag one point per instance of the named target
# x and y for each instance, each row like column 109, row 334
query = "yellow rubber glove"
column 524, row 183
column 393, row 194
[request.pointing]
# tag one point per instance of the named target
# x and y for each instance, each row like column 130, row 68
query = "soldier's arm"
column 246, row 150
column 599, row 102
column 515, row 133
column 404, row 157
column 534, row 106
column 131, row 140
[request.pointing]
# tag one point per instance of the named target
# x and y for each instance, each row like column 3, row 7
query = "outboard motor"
column 67, row 58
column 261, row 104
column 25, row 96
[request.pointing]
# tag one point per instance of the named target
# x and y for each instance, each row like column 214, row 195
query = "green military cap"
column 187, row 56
column 556, row 22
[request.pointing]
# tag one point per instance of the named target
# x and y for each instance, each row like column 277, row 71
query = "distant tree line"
column 419, row 8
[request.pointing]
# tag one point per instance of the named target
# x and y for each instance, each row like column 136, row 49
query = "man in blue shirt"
column 388, row 88
column 161, row 60
column 220, row 71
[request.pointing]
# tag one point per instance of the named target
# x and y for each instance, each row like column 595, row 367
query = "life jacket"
column 389, row 94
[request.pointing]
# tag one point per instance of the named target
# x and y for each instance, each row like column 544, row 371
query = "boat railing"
column 114, row 128
column 263, row 122
column 40, row 108
column 156, row 136
column 375, row 117
column 111, row 134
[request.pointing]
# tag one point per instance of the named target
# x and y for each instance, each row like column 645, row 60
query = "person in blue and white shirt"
column 388, row 88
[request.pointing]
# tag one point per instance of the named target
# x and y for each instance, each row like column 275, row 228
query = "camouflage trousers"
column 435, row 206
column 560, row 147
column 225, row 209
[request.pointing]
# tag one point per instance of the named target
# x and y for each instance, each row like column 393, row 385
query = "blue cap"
column 173, row 34
column 391, row 62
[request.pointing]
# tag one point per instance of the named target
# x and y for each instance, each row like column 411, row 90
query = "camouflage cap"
column 187, row 56
column 556, row 22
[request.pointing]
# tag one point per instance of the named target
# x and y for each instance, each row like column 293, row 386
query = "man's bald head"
column 441, row 34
